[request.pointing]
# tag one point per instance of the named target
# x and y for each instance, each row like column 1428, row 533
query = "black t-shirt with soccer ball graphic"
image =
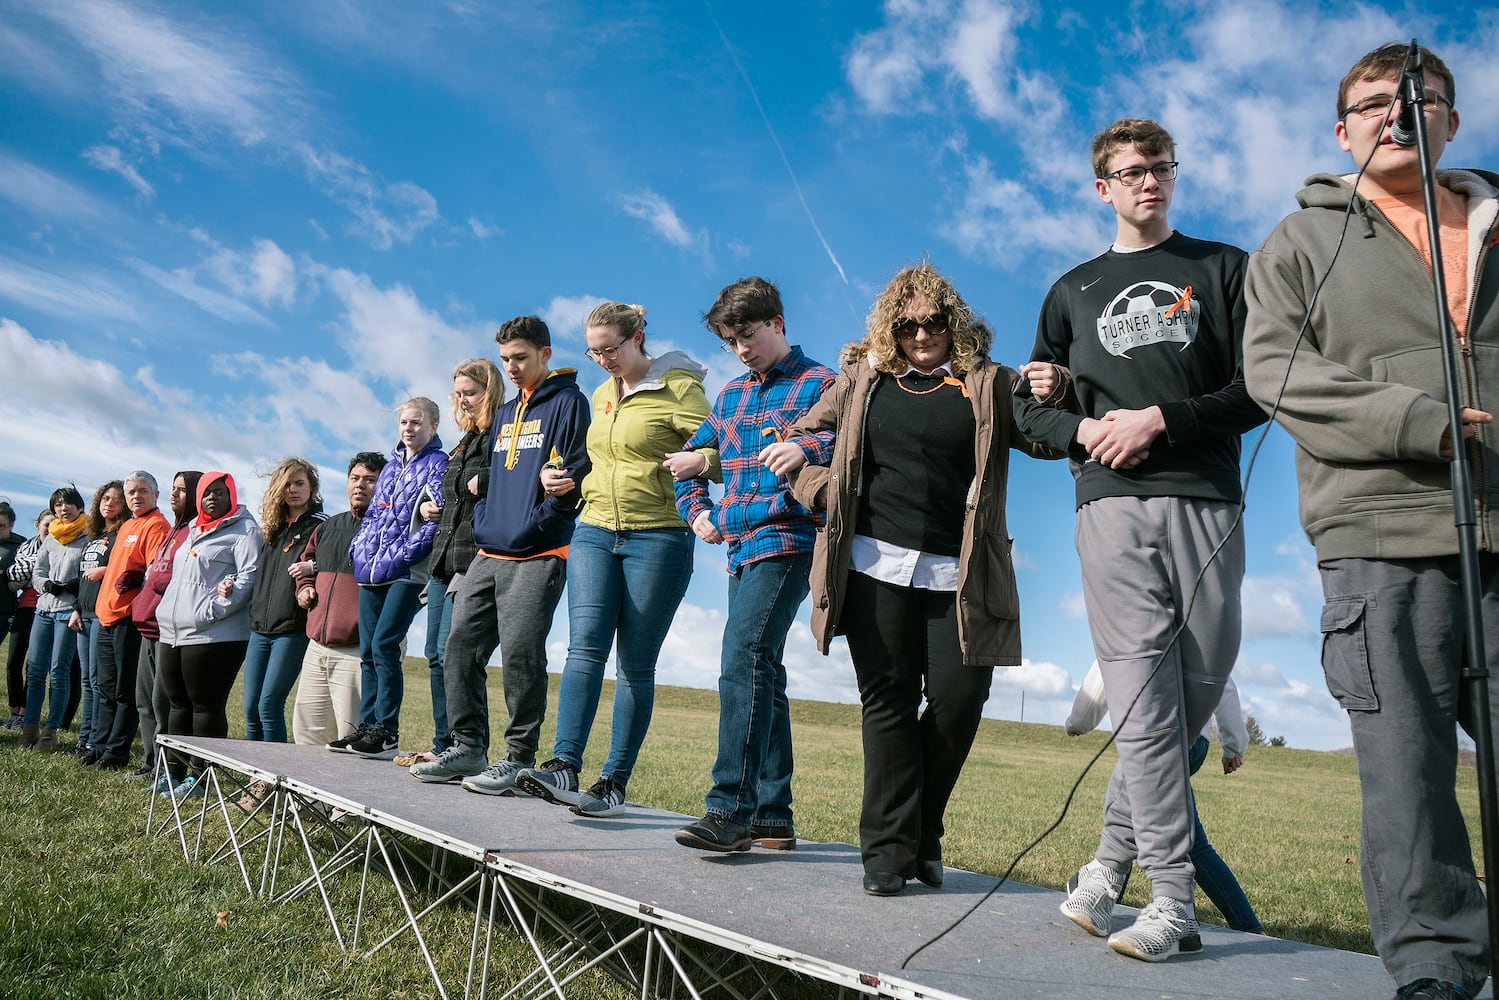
column 1162, row 326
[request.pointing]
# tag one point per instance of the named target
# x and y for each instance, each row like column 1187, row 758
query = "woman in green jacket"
column 630, row 557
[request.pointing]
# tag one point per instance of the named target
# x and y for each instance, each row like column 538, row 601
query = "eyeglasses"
column 935, row 325
column 1135, row 176
column 607, row 353
column 1378, row 105
column 742, row 337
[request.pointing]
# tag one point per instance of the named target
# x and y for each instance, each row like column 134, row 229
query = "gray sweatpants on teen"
column 151, row 700
column 1140, row 559
column 509, row 604
column 1392, row 652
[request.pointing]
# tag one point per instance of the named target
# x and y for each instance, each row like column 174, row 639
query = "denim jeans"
column 752, row 773
column 272, row 663
column 52, row 651
column 385, row 613
column 1214, row 877
column 439, row 624
column 625, row 583
column 88, row 707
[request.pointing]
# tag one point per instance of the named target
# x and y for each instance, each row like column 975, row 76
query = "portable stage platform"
column 619, row 894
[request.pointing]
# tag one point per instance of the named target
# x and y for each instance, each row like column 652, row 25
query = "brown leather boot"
column 46, row 741
column 29, row 735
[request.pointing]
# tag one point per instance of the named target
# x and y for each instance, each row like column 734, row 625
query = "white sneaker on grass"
column 1091, row 894
column 1164, row 928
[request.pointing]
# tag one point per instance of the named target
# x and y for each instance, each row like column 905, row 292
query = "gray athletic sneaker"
column 1164, row 928
column 1091, row 895
column 498, row 779
column 556, row 781
column 605, row 798
column 453, row 764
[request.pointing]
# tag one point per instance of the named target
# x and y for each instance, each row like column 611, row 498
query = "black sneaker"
column 377, row 743
column 715, row 833
column 1431, row 989
column 343, row 743
column 773, row 838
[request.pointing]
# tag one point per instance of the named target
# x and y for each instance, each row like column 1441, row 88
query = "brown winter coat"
column 988, row 602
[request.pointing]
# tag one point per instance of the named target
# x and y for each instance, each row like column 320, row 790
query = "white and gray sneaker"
column 556, row 782
column 1164, row 928
column 604, row 798
column 453, row 764
column 497, row 779
column 1091, row 894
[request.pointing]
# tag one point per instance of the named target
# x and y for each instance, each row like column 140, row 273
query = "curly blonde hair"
column 274, row 513
column 970, row 337
column 485, row 373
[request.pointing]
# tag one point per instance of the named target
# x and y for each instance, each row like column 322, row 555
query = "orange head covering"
column 205, row 522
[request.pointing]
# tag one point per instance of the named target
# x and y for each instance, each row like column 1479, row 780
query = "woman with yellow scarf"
column 55, row 579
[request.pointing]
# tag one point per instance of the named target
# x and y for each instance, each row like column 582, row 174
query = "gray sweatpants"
column 1392, row 651
column 509, row 604
column 1140, row 559
column 151, row 700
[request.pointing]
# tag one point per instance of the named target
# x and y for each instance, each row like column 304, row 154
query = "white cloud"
column 81, row 294
column 47, row 195
column 1263, row 673
column 1074, row 606
column 1272, row 606
column 482, row 231
column 565, row 315
column 110, row 159
column 184, row 282
column 385, row 213
column 266, row 273
column 657, row 213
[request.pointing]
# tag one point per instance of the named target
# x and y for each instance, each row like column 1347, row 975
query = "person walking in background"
column 289, row 512
column 391, row 562
column 119, row 642
column 55, row 579
column 512, row 587
column 770, row 538
column 914, row 564
column 151, row 699
column 205, row 617
column 327, row 705
column 631, row 555
column 1212, row 873
column 106, row 513
column 478, row 391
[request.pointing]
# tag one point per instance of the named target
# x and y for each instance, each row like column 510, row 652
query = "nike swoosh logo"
column 1090, row 284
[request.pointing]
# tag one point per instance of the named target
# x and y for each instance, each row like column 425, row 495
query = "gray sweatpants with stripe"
column 1141, row 557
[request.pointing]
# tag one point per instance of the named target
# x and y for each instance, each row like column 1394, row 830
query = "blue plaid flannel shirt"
column 757, row 516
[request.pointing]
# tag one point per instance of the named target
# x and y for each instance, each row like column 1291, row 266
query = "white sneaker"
column 1164, row 928
column 1091, row 894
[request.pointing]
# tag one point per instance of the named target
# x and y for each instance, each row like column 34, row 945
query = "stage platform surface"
column 809, row 901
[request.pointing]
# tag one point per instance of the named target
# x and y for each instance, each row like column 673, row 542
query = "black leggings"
column 20, row 645
column 198, row 680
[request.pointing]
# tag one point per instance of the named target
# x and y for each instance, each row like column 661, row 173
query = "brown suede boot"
column 46, row 741
column 28, row 735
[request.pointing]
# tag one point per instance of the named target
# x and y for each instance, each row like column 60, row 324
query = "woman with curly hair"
column 914, row 564
column 291, row 508
column 55, row 579
column 478, row 391
column 106, row 512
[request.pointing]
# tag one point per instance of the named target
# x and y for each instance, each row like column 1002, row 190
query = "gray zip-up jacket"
column 57, row 563
column 1364, row 400
column 191, row 611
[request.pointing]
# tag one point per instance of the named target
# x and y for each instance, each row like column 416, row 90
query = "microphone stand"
column 1475, row 673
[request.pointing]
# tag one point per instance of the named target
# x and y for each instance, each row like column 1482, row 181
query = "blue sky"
column 230, row 236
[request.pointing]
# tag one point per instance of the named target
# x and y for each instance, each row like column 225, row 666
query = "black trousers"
column 15, row 663
column 116, row 721
column 904, row 644
column 198, row 680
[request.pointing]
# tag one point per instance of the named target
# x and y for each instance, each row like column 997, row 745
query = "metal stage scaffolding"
column 618, row 895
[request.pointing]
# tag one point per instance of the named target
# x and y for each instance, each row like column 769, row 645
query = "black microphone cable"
column 1196, row 584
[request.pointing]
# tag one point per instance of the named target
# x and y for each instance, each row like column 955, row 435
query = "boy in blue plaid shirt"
column 770, row 539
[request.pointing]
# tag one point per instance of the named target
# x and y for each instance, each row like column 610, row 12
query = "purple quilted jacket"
column 393, row 537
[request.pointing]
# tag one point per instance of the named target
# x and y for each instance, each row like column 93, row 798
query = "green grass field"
column 91, row 908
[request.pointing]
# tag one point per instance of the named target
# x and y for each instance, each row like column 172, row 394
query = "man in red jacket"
column 326, row 712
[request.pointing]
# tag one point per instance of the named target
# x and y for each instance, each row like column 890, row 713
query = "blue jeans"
column 1213, row 874
column 52, row 650
column 752, row 773
column 272, row 663
column 90, row 702
column 385, row 613
column 439, row 624
column 625, row 583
